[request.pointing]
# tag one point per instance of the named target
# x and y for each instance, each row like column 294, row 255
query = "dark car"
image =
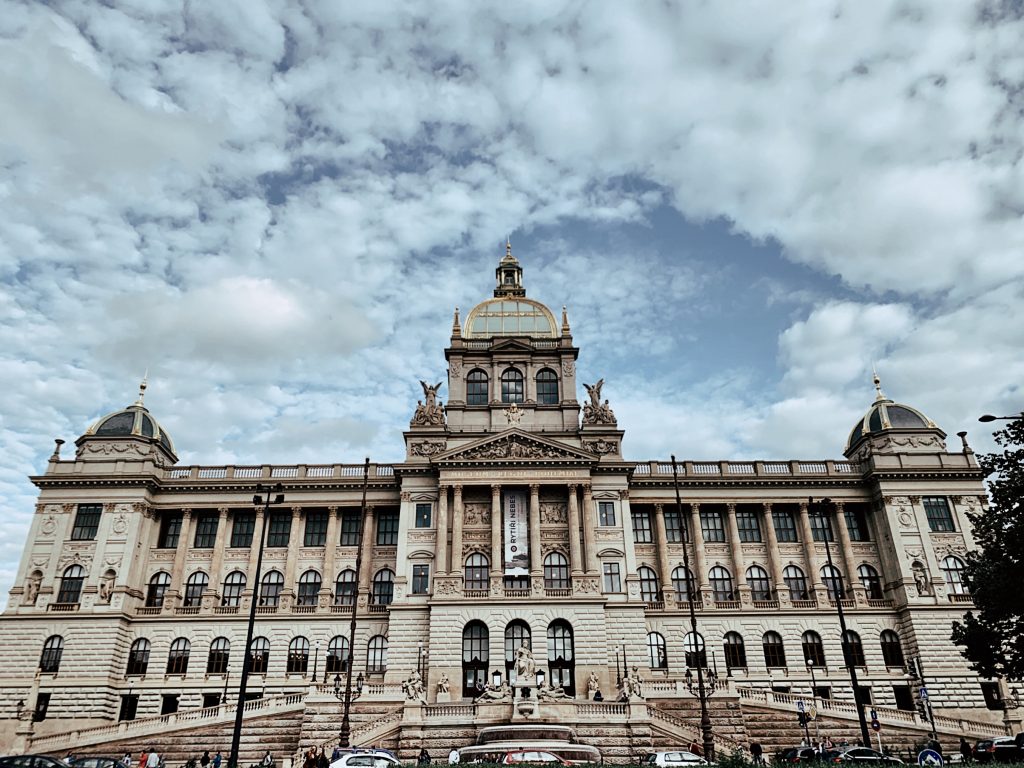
column 860, row 755
column 797, row 755
column 95, row 762
column 1001, row 750
column 31, row 761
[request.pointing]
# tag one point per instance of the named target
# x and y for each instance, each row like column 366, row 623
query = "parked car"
column 94, row 762
column 369, row 759
column 1001, row 750
column 533, row 756
column 31, row 761
column 679, row 757
column 797, row 755
column 860, row 755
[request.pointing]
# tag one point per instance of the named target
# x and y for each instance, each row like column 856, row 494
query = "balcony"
column 304, row 609
column 727, row 605
column 378, row 608
column 766, row 605
column 655, row 605
column 517, row 593
column 188, row 610
column 805, row 603
column 341, row 608
column 479, row 594
column 266, row 609
column 557, row 593
column 69, row 607
column 878, row 602
column 847, row 603
column 683, row 605
column 149, row 610
column 226, row 609
column 955, row 598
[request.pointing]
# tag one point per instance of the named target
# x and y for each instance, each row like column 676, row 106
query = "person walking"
column 267, row 760
column 143, row 757
column 126, row 761
column 321, row 759
column 217, row 759
column 152, row 760
column 424, row 757
column 965, row 750
column 453, row 757
column 205, row 759
column 756, row 752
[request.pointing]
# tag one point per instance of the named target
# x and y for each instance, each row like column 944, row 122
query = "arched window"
column 377, row 655
column 259, row 655
column 511, row 386
column 345, row 588
column 795, row 582
column 695, row 652
column 757, row 580
column 478, row 572
column 870, row 580
column 648, row 584
column 234, row 586
column 833, row 581
column 854, row 648
column 774, row 651
column 383, row 587
column 217, row 661
column 892, row 649
column 721, row 584
column 475, row 658
column 476, row 388
column 194, row 588
column 298, row 656
column 814, row 651
column 53, row 648
column 547, row 387
column 177, row 658
column 270, row 589
column 656, row 654
column 337, row 654
column 309, row 588
column 71, row 585
column 556, row 571
column 681, row 580
column 561, row 657
column 138, row 657
column 517, row 634
column 158, row 586
column 735, row 651
column 952, row 568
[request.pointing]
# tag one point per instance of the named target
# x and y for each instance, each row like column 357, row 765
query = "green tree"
column 993, row 638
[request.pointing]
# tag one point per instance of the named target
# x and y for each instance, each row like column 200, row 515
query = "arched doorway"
column 475, row 658
column 561, row 656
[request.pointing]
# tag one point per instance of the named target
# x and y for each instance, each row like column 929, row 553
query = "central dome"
column 511, row 317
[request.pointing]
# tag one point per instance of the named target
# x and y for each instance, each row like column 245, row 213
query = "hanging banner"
column 517, row 552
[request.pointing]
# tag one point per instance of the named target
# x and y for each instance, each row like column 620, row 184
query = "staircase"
column 675, row 722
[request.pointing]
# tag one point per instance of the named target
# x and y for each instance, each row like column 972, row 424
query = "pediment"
column 511, row 345
column 515, row 445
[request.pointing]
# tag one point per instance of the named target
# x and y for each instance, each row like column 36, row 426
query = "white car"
column 679, row 758
column 365, row 760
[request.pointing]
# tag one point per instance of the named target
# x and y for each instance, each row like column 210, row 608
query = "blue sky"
column 274, row 207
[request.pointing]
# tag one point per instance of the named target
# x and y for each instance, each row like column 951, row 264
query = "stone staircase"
column 675, row 722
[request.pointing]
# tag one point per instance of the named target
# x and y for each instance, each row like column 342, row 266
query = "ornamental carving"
column 430, row 411
column 405, row 496
column 553, row 512
column 120, row 524
column 568, row 367
column 596, row 412
column 446, row 587
column 586, row 586
column 455, row 368
column 427, row 448
column 477, row 513
column 49, row 526
column 601, row 446
column 905, row 520
column 471, row 549
column 515, row 447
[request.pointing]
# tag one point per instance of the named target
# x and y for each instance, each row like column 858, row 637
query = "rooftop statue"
column 596, row 412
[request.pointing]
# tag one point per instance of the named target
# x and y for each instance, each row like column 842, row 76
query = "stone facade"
column 124, row 537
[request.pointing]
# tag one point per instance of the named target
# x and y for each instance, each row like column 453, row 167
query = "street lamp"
column 262, row 500
column 346, row 725
column 340, row 693
column 705, row 718
column 823, row 508
column 814, row 695
column 316, row 657
column 989, row 417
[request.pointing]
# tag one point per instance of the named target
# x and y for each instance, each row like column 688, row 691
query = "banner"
column 517, row 551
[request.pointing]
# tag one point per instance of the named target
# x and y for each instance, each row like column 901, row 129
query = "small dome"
column 133, row 421
column 887, row 414
column 511, row 317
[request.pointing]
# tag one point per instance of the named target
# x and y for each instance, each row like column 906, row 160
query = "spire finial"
column 508, row 245
column 142, row 387
column 878, row 383
column 456, row 326
column 565, row 322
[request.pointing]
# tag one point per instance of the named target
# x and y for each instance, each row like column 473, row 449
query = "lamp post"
column 917, row 672
column 989, row 417
column 316, row 657
column 705, row 718
column 261, row 500
column 618, row 671
column 823, row 508
column 346, row 725
column 341, row 693
column 419, row 658
column 814, row 695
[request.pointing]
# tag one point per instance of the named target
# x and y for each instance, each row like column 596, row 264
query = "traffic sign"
column 812, row 713
column 923, row 693
column 875, row 724
column 929, row 757
column 800, row 706
column 874, row 715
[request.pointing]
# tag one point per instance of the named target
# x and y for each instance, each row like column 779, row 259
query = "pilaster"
column 536, row 566
column 575, row 551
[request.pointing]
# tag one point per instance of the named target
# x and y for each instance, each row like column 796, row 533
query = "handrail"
column 363, row 732
column 692, row 730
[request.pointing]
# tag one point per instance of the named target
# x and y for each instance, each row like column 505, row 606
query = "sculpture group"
column 596, row 412
column 430, row 410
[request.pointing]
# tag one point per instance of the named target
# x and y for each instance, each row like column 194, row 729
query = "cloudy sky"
column 275, row 206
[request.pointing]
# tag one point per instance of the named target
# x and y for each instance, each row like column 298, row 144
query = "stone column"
column 496, row 531
column 575, row 551
column 661, row 547
column 589, row 530
column 810, row 554
column 536, row 562
column 330, row 553
column 441, row 543
column 216, row 578
column 367, row 542
column 294, row 542
column 458, row 512
column 774, row 558
column 742, row 592
column 252, row 587
column 699, row 562
column 178, row 570
column 850, row 577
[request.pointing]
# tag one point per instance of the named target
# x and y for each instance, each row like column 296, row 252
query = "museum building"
column 514, row 520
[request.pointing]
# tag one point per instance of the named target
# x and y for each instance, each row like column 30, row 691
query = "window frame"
column 855, row 648
column 218, row 656
column 156, row 589
column 786, row 532
column 870, row 579
column 306, row 594
column 748, row 526
column 475, row 394
column 813, row 649
column 606, row 516
column 759, row 581
column 279, row 530
column 774, row 648
column 338, row 655
column 50, row 657
column 233, row 589
column 243, row 529
column 424, row 514
column 640, row 518
column 298, row 656
column 87, row 522
column 657, row 651
column 205, row 534
column 477, row 572
column 314, row 529
column 377, row 655
column 556, row 571
column 72, row 581
column 717, row 583
column 953, row 571
column 512, row 386
column 178, row 655
column 346, row 595
column 547, row 388
column 712, row 527
column 170, row 530
column 259, row 655
column 790, row 579
column 892, row 649
column 382, row 587
column 650, row 589
column 420, row 579
column 351, row 528
column 684, row 577
column 195, row 586
column 611, row 577
column 387, row 528
column 138, row 657
column 940, row 520
column 271, row 587
column 734, row 648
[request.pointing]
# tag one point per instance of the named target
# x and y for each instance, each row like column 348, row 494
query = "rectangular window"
column 169, row 703
column 350, row 528
column 420, row 579
column 206, row 532
column 940, row 518
column 129, row 706
column 856, row 522
column 316, row 529
column 242, row 528
column 748, row 526
column 904, row 699
column 612, row 578
column 641, row 526
column 170, row 530
column 711, row 527
column 387, row 529
column 675, row 526
column 423, row 511
column 785, row 526
column 606, row 513
column 87, row 521
column 821, row 526
column 279, row 529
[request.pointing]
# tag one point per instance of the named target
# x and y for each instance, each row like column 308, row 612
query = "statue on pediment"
column 430, row 411
column 596, row 412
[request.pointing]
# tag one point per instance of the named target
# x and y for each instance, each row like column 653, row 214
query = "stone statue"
column 513, row 415
column 413, row 687
column 525, row 667
column 431, row 412
column 430, row 393
column 632, row 686
column 921, row 578
column 552, row 692
column 594, row 390
column 32, row 588
column 443, row 685
column 593, row 685
column 596, row 412
column 107, row 587
column 490, row 694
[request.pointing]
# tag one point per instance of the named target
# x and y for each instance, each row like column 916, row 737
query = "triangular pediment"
column 515, row 445
column 511, row 345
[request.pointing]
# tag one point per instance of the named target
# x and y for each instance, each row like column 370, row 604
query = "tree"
column 993, row 639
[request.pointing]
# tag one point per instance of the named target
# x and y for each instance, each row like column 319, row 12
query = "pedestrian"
column 126, row 761
column 143, row 759
column 756, row 752
column 598, row 696
column 267, row 760
column 695, row 748
column 153, row 760
column 321, row 759
column 309, row 761
column 424, row 757
column 336, row 754
column 453, row 757
column 217, row 759
column 965, row 750
column 205, row 759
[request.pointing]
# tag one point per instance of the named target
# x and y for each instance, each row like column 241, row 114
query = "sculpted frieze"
column 427, row 448
column 601, row 446
column 553, row 512
column 515, row 446
column 477, row 513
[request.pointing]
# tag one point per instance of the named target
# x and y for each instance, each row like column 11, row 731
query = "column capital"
column 296, row 510
column 587, row 490
column 458, row 489
column 495, row 488
column 730, row 507
column 534, row 488
column 405, row 496
column 223, row 512
column 659, row 508
column 573, row 487
column 914, row 499
column 624, row 494
column 333, row 510
column 839, row 507
column 694, row 508
column 803, row 507
column 186, row 513
column 767, row 507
